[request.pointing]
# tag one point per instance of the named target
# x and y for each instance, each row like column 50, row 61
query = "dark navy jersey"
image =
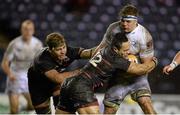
column 101, row 66
column 44, row 62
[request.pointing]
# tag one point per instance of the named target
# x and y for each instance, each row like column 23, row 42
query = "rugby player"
column 48, row 71
column 77, row 93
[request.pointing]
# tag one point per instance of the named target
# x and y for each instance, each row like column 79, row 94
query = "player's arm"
column 87, row 53
column 6, row 62
column 57, row 77
column 141, row 69
column 5, row 66
column 100, row 46
column 175, row 62
column 104, row 41
column 147, row 48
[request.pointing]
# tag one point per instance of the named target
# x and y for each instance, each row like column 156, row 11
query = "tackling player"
column 77, row 93
column 48, row 71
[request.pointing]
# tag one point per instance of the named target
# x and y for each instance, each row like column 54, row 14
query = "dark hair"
column 118, row 39
column 129, row 9
column 54, row 40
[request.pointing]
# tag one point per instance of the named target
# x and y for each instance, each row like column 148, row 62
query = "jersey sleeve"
column 9, row 53
column 147, row 48
column 121, row 63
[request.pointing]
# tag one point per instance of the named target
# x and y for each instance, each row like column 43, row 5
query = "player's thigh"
column 116, row 94
column 140, row 88
column 59, row 111
column 89, row 110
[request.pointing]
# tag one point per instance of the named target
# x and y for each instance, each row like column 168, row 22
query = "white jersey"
column 140, row 39
column 20, row 55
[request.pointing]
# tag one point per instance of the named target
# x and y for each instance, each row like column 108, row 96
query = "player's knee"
column 144, row 101
column 110, row 110
column 93, row 111
column 110, row 107
column 89, row 110
column 43, row 110
column 140, row 94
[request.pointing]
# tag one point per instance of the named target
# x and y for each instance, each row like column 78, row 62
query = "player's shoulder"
column 114, row 28
column 36, row 40
column 43, row 55
column 15, row 41
column 114, row 24
column 142, row 28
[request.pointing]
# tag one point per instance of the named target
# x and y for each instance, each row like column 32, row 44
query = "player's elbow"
column 3, row 65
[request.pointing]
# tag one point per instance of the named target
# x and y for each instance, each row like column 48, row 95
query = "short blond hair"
column 129, row 10
column 54, row 40
column 27, row 22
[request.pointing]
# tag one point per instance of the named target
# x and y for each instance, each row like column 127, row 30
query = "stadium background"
column 83, row 23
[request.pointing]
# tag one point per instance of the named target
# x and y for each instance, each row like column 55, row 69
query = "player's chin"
column 126, row 30
column 61, row 57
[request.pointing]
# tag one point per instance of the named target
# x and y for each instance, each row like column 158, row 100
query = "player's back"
column 103, row 64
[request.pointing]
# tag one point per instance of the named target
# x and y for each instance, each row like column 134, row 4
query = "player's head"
column 128, row 15
column 57, row 45
column 120, row 44
column 27, row 29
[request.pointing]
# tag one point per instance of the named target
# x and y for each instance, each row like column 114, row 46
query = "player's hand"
column 155, row 61
column 167, row 69
column 12, row 77
column 132, row 58
column 77, row 72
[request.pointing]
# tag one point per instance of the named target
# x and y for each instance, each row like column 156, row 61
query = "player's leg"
column 43, row 108
column 64, row 105
column 14, row 103
column 146, row 105
column 93, row 109
column 29, row 102
column 40, row 96
column 114, row 97
column 59, row 111
column 56, row 94
column 142, row 95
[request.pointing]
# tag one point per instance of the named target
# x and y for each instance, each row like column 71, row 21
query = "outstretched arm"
column 87, row 53
column 57, row 77
column 175, row 62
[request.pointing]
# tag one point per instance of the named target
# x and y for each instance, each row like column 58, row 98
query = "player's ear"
column 115, row 49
